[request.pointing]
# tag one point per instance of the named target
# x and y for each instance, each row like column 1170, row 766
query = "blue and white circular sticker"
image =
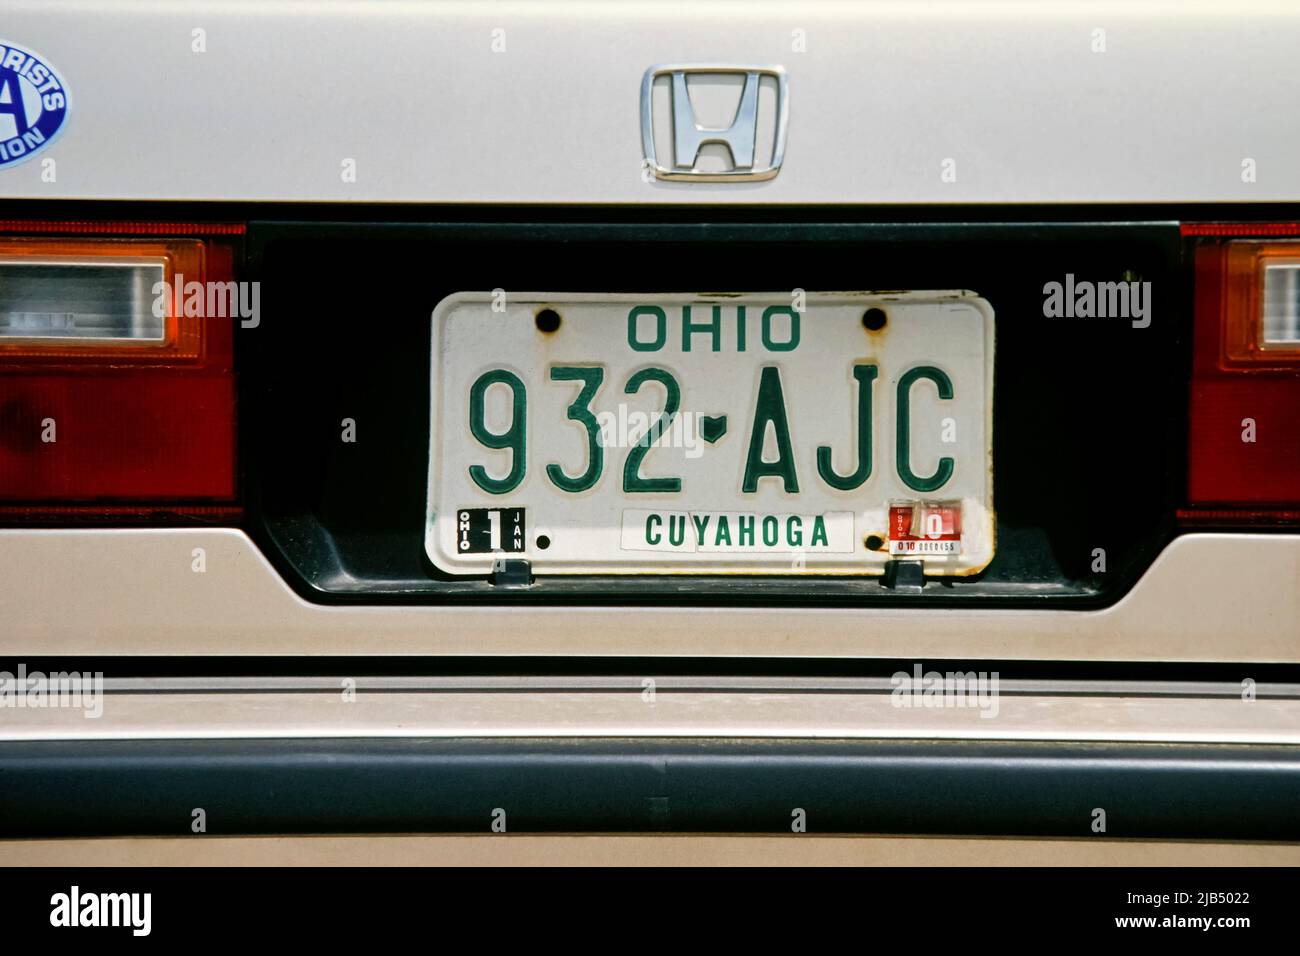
column 33, row 104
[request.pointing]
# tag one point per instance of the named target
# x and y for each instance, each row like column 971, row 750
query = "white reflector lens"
column 82, row 301
column 1281, row 318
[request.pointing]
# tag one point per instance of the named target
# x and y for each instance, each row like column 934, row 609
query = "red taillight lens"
column 1244, row 447
column 113, row 390
column 120, row 435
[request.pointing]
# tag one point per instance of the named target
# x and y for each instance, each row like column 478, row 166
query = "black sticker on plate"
column 485, row 530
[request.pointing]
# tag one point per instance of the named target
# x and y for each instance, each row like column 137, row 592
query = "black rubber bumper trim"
column 1184, row 791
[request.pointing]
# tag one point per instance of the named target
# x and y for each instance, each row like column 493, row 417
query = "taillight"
column 116, row 382
column 1244, row 446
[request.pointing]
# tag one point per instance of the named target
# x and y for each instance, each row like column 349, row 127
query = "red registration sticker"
column 925, row 527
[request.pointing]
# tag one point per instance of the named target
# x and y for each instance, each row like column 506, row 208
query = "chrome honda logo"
column 754, row 142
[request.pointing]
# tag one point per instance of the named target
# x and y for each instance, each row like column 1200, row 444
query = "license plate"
column 757, row 433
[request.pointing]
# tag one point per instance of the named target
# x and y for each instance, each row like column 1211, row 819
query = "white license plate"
column 710, row 433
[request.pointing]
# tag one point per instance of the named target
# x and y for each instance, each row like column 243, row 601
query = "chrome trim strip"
column 622, row 684
column 662, row 714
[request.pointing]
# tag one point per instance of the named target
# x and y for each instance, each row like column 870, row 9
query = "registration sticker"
column 925, row 527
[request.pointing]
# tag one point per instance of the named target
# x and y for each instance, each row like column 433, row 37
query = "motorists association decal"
column 33, row 104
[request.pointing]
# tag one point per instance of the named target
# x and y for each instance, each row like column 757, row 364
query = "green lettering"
column 661, row 328
column 632, row 479
column 676, row 529
column 514, row 437
column 746, row 529
column 819, row 532
column 689, row 328
column 724, row 531
column 865, row 376
column 903, row 451
column 580, row 411
column 770, row 408
column 700, row 525
column 793, row 342
column 794, row 530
